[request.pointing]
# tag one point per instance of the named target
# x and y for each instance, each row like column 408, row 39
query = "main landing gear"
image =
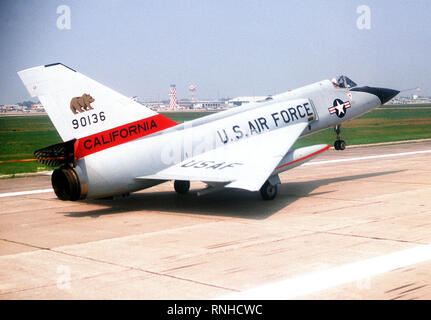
column 268, row 191
column 182, row 186
column 339, row 144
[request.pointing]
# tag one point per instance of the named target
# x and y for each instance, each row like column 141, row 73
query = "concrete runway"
column 337, row 230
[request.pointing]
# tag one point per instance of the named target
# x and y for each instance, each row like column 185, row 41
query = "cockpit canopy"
column 343, row 82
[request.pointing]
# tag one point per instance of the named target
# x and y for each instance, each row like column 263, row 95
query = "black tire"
column 182, row 186
column 337, row 145
column 341, row 145
column 268, row 191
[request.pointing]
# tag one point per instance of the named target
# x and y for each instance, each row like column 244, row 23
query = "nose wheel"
column 339, row 144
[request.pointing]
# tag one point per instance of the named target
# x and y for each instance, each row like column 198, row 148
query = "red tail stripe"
column 122, row 134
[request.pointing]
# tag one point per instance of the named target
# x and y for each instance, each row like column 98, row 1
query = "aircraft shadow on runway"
column 226, row 203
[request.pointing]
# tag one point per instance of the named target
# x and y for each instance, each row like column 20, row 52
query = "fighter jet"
column 112, row 145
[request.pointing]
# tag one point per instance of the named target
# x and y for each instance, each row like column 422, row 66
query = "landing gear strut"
column 268, row 191
column 339, row 144
column 181, row 186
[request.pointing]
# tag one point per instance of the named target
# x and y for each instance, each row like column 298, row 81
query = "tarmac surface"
column 352, row 229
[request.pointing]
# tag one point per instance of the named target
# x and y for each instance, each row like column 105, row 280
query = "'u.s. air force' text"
column 260, row 124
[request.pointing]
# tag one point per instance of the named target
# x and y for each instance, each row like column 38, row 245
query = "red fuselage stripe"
column 303, row 158
column 122, row 134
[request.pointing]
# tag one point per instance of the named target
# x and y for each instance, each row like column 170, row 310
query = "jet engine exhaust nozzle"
column 67, row 185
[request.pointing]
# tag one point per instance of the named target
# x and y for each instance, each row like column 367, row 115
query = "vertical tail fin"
column 80, row 107
column 77, row 105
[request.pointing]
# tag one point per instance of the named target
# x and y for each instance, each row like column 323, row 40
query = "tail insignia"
column 81, row 104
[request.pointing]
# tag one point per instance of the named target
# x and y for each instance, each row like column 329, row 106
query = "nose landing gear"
column 339, row 144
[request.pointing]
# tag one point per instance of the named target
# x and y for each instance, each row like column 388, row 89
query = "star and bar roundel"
column 339, row 107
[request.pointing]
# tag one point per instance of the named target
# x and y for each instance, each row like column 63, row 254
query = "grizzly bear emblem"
column 81, row 104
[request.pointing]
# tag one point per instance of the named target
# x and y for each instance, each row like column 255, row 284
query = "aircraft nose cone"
column 384, row 94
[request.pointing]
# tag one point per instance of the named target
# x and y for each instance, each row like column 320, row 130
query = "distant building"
column 239, row 101
column 154, row 105
column 414, row 99
column 22, row 109
column 208, row 104
column 11, row 107
column 184, row 104
column 37, row 107
column 172, row 97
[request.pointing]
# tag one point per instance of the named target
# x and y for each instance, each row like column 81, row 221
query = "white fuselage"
column 114, row 170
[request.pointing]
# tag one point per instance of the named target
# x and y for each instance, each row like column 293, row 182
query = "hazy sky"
column 226, row 48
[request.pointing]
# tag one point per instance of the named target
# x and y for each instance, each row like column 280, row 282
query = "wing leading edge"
column 245, row 164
